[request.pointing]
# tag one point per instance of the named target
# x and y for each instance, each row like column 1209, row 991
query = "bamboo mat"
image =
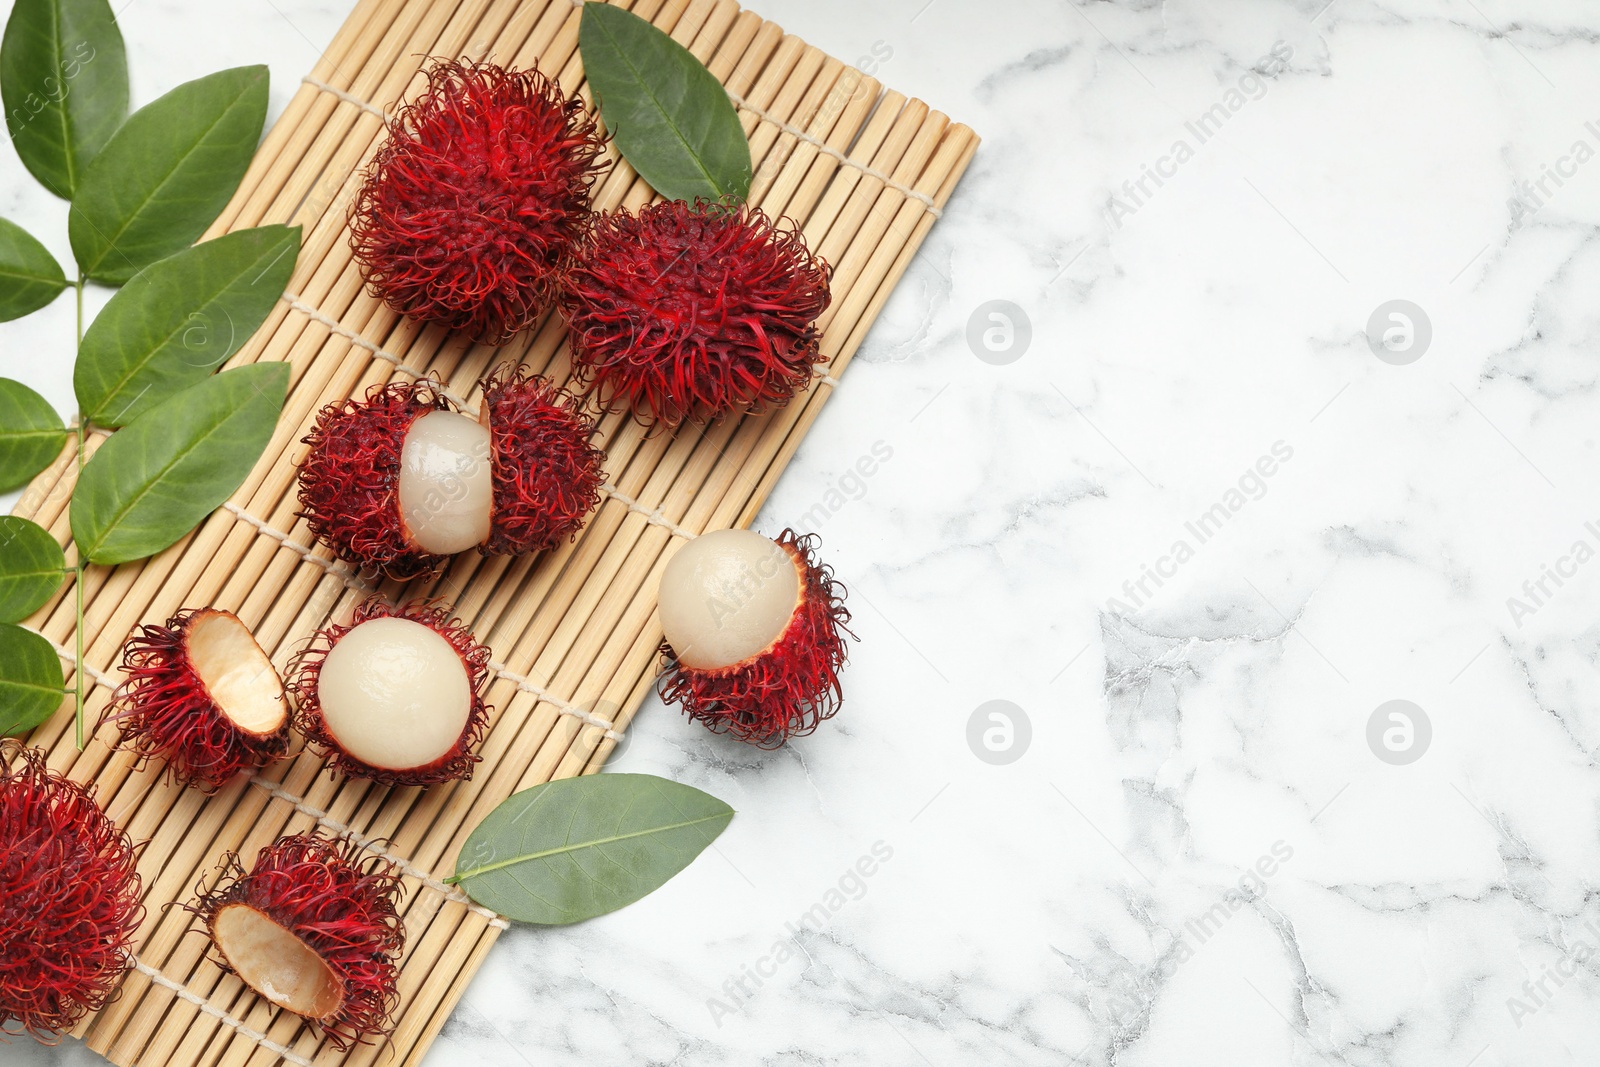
column 865, row 172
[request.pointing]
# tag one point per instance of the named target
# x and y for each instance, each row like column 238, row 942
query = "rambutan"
column 202, row 697
column 313, row 928
column 755, row 633
column 693, row 311
column 400, row 480
column 471, row 207
column 396, row 696
column 69, row 899
column 546, row 473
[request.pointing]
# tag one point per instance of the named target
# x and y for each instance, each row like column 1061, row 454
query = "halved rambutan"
column 350, row 477
column 202, row 697
column 69, row 899
column 395, row 696
column 692, row 311
column 470, row 208
column 314, row 928
column 399, row 481
column 755, row 634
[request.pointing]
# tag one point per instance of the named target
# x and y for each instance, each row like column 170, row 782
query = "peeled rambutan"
column 693, row 311
column 471, row 207
column 314, row 928
column 202, row 697
column 755, row 633
column 396, row 696
column 69, row 899
column 400, row 480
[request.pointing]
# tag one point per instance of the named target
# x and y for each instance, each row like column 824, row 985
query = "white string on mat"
column 828, row 380
column 350, row 578
column 353, row 581
column 761, row 113
column 833, row 153
column 337, row 327
column 348, row 98
column 566, row 707
column 654, row 515
column 72, row 657
column 372, row 844
column 182, row 993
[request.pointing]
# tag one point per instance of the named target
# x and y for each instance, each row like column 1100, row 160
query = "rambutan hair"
column 470, row 209
column 547, row 474
column 788, row 689
column 692, row 311
column 455, row 765
column 350, row 477
column 69, row 899
column 165, row 713
column 341, row 901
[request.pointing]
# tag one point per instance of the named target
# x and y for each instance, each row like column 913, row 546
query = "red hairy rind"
column 165, row 714
column 341, row 901
column 690, row 312
column 69, row 899
column 789, row 689
column 546, row 473
column 350, row 478
column 455, row 765
column 470, row 209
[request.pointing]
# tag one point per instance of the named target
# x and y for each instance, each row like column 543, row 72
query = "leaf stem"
column 77, row 666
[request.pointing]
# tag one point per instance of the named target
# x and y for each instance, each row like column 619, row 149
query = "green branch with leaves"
column 142, row 189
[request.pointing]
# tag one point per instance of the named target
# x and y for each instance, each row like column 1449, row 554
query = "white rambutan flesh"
column 201, row 698
column 276, row 963
column 726, row 597
column 236, row 672
column 446, row 483
column 395, row 694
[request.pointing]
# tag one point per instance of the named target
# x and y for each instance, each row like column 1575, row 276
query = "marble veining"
column 1247, row 387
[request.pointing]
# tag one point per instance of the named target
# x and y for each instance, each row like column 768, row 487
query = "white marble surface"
column 1081, row 904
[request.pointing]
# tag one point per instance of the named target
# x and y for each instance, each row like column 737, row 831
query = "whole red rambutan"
column 395, row 696
column 399, row 481
column 755, row 633
column 202, row 697
column 690, row 312
column 314, row 928
column 69, row 899
column 471, row 206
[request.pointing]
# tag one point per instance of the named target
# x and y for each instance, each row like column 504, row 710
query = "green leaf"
column 671, row 118
column 156, row 480
column 31, row 434
column 32, row 684
column 64, row 79
column 179, row 319
column 579, row 847
column 30, row 277
column 31, row 567
column 167, row 173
